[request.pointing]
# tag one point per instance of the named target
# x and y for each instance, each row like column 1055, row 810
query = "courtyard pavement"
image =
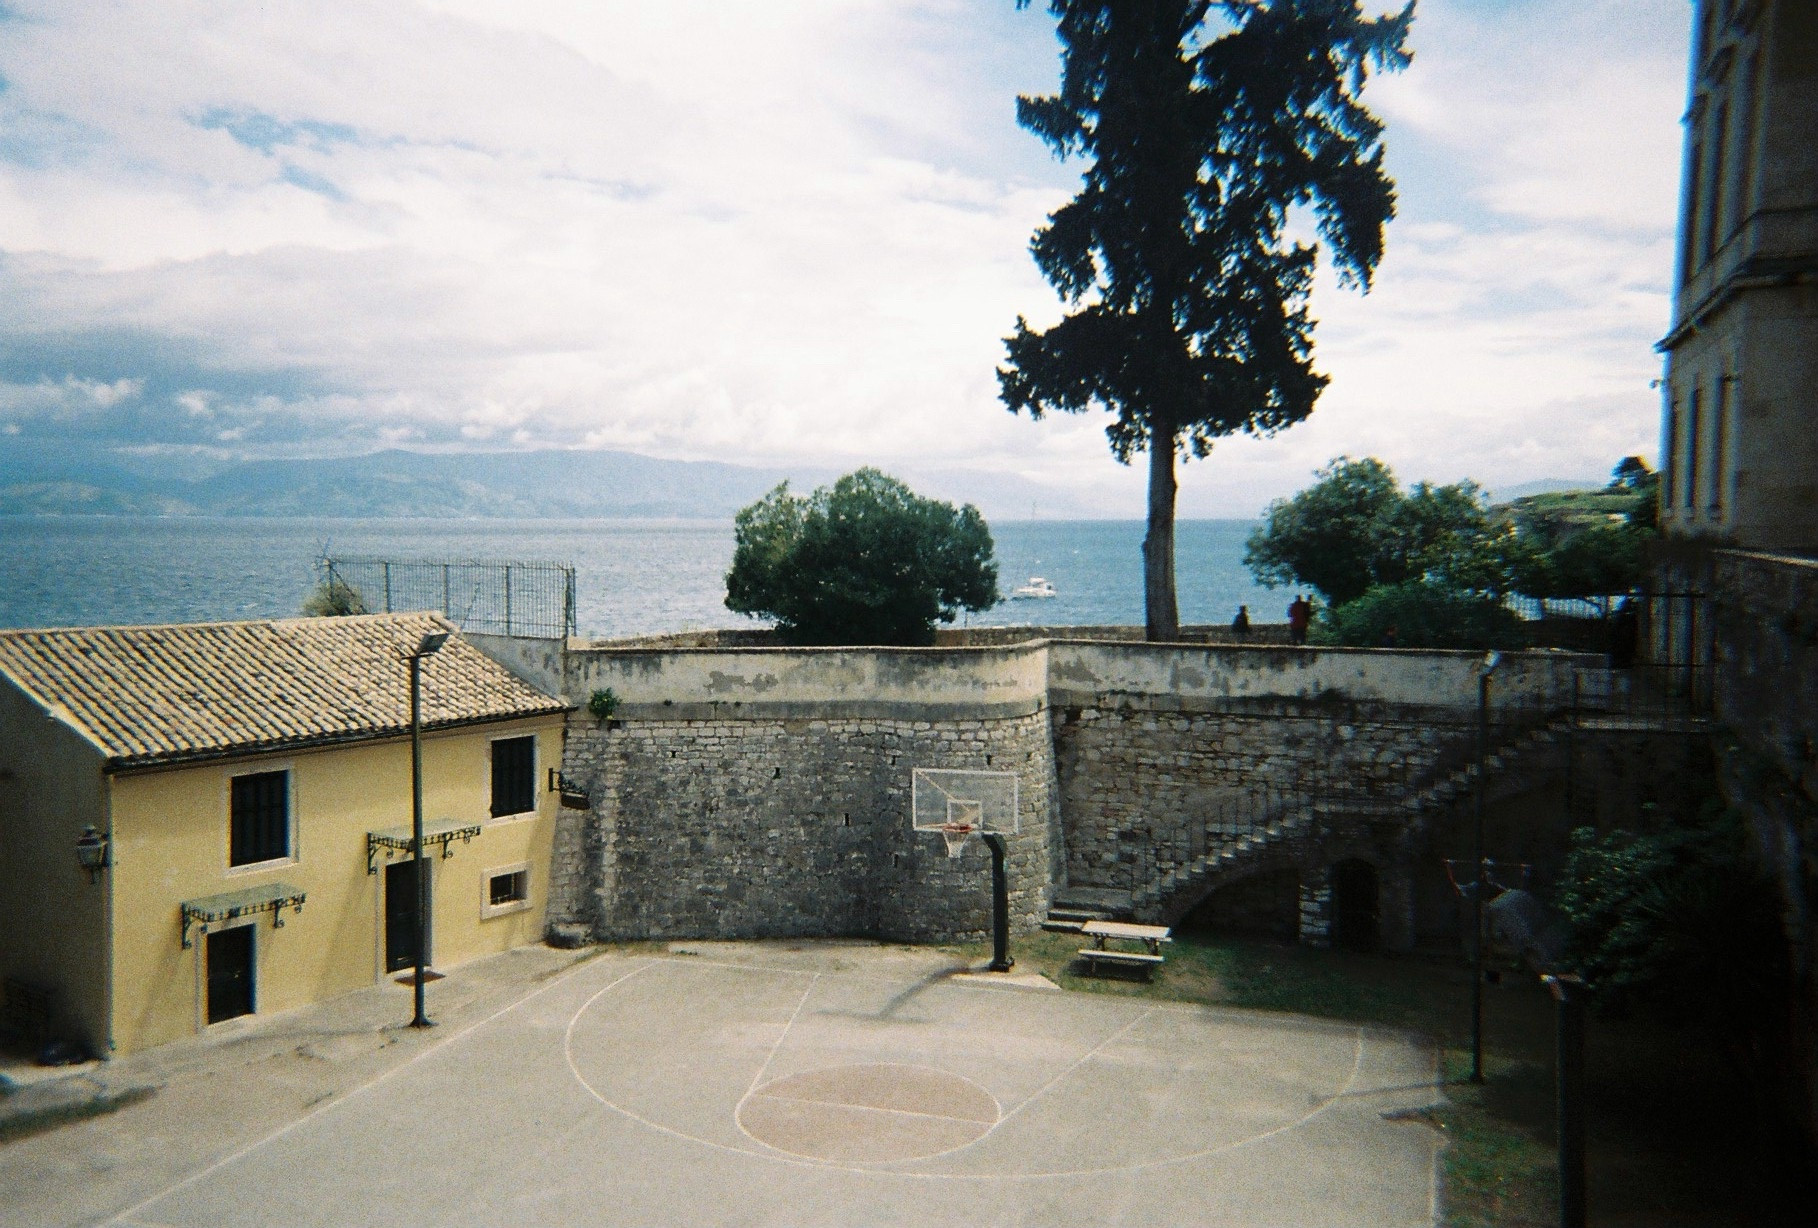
column 808, row 1083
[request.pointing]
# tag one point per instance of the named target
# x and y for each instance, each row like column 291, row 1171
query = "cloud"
column 781, row 233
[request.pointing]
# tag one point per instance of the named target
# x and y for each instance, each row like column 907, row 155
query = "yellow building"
column 249, row 789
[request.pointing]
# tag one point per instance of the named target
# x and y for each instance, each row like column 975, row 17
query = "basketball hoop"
column 956, row 835
column 1516, row 870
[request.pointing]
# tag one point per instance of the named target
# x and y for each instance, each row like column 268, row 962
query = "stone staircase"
column 1157, row 900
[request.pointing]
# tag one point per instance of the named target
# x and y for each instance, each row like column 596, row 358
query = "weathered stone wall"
column 763, row 826
column 1138, row 786
column 1767, row 694
column 765, row 791
column 1767, row 648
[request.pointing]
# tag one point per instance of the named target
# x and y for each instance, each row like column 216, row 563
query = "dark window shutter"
column 513, row 785
column 260, row 825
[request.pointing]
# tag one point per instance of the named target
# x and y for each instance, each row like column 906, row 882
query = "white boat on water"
column 1037, row 587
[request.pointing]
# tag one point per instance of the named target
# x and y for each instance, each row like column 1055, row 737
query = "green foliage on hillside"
column 865, row 561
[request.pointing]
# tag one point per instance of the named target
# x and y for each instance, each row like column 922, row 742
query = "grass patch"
column 1670, row 1141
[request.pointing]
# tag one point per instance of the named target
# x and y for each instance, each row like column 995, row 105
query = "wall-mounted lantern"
column 91, row 852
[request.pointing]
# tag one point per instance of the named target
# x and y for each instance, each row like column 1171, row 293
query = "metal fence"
column 500, row 597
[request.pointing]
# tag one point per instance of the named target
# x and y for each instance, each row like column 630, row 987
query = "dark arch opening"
column 1356, row 906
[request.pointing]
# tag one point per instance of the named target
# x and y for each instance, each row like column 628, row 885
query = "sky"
column 786, row 233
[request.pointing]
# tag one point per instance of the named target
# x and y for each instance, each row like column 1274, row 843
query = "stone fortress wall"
column 759, row 791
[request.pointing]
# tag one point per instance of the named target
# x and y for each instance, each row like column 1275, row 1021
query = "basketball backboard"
column 961, row 803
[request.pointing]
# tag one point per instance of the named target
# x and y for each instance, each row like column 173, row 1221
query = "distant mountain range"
column 48, row 480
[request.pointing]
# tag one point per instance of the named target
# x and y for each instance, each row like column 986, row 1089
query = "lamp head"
column 1491, row 660
column 431, row 643
column 91, row 851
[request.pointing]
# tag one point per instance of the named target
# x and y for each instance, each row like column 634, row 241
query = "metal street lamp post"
column 1490, row 662
column 430, row 644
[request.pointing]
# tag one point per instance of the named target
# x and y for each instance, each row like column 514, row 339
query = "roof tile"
column 198, row 690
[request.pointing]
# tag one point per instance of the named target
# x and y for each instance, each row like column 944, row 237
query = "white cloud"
column 778, row 233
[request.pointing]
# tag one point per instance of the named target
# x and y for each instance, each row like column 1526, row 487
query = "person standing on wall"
column 1300, row 616
column 1240, row 626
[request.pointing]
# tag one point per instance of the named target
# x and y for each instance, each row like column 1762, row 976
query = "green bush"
column 1422, row 615
column 864, row 561
column 334, row 598
column 1677, row 917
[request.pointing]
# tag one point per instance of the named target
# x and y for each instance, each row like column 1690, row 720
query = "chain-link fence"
column 500, row 597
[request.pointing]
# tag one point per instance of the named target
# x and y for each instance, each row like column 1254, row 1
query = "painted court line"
column 781, row 1037
column 1085, row 1057
column 775, row 1156
column 126, row 1218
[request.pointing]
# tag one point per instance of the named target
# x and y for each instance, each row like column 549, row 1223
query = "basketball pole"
column 1490, row 662
column 1000, row 907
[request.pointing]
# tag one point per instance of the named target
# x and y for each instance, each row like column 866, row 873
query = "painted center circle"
column 868, row 1114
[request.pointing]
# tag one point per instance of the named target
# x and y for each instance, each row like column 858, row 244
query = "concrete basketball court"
column 845, row 1084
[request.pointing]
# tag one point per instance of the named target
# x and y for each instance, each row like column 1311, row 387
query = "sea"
column 632, row 577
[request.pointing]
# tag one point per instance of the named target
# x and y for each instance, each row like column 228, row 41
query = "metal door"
column 401, row 917
column 230, row 973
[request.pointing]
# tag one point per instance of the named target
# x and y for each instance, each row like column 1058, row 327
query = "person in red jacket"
column 1300, row 616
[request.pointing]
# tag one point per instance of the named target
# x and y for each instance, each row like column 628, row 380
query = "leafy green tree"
column 1206, row 123
column 1592, row 562
column 1354, row 530
column 865, row 561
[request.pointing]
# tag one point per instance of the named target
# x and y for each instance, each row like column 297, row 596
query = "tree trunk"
column 1161, row 614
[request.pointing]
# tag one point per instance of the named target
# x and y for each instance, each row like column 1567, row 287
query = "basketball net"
column 956, row 835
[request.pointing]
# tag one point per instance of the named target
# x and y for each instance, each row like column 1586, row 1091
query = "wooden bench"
column 1098, row 955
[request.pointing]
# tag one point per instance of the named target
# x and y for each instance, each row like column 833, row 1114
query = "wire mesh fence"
column 500, row 597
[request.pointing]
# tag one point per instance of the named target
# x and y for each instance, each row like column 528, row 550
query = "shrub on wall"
column 1419, row 614
column 334, row 598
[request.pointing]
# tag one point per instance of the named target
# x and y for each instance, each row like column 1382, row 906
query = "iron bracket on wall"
column 574, row 797
column 400, row 840
column 273, row 898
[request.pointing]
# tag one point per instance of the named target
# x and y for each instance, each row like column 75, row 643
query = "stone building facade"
column 1739, row 455
column 1739, row 496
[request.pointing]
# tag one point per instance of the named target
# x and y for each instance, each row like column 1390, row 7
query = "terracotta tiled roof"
column 150, row 695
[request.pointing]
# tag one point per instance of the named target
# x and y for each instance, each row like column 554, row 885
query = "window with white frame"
column 258, row 827
column 505, row 889
column 514, row 776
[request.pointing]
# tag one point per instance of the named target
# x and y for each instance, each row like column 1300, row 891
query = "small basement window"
column 507, row 889
column 514, row 781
